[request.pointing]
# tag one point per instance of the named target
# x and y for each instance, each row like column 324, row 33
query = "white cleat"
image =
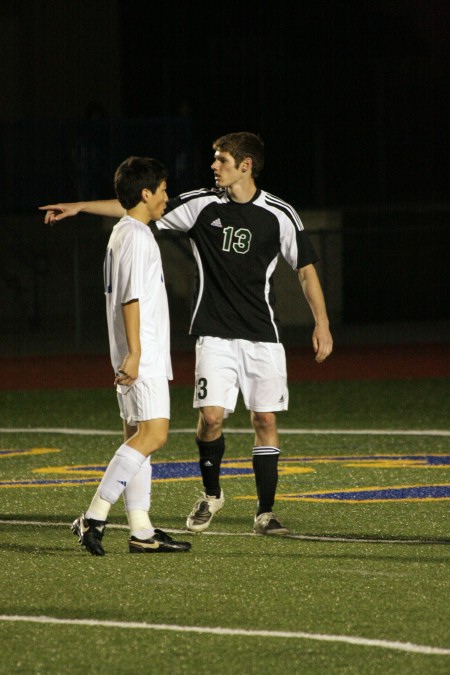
column 203, row 511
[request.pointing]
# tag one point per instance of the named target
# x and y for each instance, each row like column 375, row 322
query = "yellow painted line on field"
column 14, row 452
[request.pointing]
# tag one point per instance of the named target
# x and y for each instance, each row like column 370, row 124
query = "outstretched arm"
column 102, row 207
column 321, row 339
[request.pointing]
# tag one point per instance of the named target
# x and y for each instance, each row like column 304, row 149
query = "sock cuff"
column 207, row 447
column 265, row 450
column 130, row 453
column 217, row 441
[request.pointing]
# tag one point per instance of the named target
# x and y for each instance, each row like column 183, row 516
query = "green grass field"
column 361, row 586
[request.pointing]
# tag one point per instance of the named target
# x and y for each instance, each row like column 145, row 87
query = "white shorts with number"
column 145, row 400
column 258, row 369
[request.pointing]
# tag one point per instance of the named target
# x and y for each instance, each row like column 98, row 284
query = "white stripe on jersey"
column 289, row 223
column 192, row 193
column 270, row 270
column 286, row 208
column 184, row 216
column 201, row 281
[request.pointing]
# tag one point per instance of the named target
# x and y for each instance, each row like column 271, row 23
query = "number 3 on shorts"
column 202, row 390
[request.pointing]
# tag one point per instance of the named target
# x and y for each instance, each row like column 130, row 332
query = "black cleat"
column 90, row 533
column 159, row 543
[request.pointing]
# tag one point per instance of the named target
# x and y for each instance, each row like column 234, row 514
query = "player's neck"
column 139, row 213
column 242, row 192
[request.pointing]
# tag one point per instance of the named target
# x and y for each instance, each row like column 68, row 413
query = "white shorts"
column 145, row 400
column 258, row 369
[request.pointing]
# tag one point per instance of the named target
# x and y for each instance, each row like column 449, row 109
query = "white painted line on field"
column 215, row 533
column 323, row 432
column 111, row 526
column 239, row 632
column 69, row 432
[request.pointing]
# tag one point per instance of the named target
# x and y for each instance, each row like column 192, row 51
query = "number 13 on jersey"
column 238, row 240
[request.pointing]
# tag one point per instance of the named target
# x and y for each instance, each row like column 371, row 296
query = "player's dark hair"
column 136, row 174
column 243, row 144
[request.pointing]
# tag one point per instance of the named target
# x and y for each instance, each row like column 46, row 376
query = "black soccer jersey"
column 236, row 248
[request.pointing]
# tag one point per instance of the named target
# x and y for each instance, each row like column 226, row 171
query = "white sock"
column 140, row 525
column 122, row 468
column 137, row 496
column 99, row 508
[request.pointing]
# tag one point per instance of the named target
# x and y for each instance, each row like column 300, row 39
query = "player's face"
column 226, row 173
column 157, row 201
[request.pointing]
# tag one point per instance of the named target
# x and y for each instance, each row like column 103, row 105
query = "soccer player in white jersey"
column 139, row 339
column 237, row 233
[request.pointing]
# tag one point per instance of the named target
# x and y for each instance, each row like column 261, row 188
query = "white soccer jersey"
column 133, row 270
column 236, row 247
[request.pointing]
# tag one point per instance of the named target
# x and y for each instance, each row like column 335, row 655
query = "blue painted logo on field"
column 86, row 474
column 410, row 493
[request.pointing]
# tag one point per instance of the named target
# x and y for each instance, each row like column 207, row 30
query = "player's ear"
column 146, row 194
column 246, row 164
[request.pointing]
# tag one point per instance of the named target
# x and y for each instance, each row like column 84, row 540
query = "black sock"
column 265, row 468
column 211, row 453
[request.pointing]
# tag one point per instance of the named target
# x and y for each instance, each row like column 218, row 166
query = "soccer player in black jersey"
column 237, row 232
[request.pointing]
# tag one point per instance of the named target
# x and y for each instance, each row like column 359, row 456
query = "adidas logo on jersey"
column 216, row 223
column 207, row 463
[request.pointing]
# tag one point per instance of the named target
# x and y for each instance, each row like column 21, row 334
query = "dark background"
column 350, row 98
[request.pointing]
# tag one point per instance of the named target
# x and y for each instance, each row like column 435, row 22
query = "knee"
column 264, row 421
column 210, row 420
column 152, row 439
column 160, row 441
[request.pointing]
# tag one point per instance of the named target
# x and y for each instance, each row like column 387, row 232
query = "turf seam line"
column 239, row 632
